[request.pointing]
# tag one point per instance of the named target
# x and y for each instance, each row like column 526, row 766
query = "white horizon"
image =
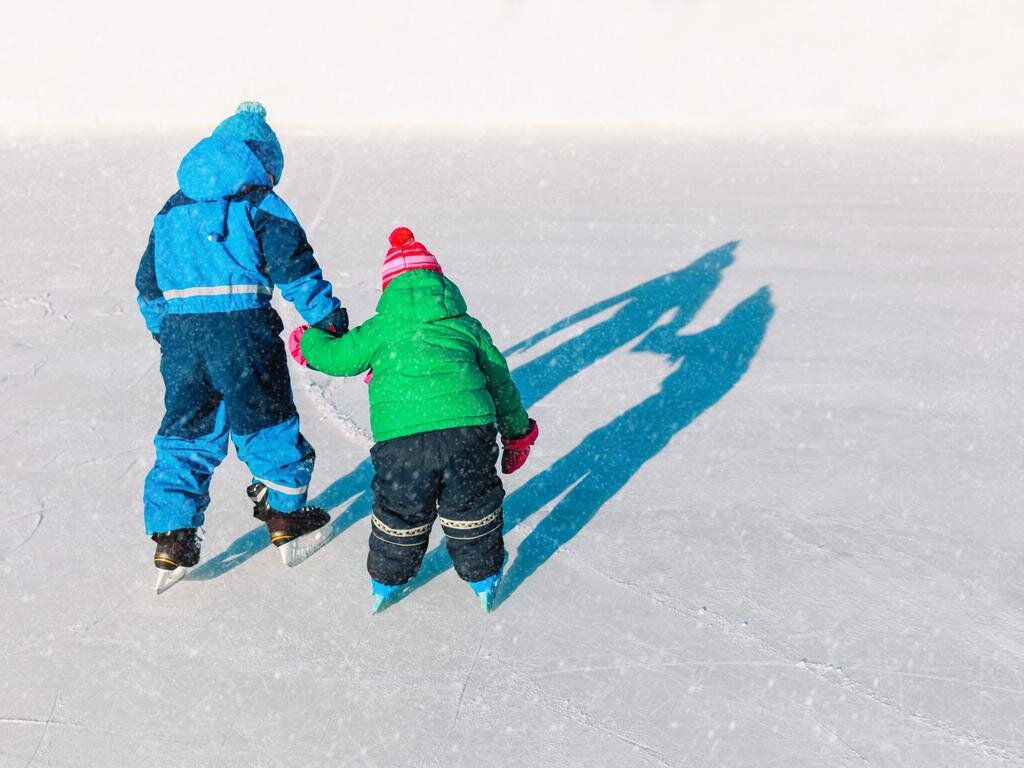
column 743, row 65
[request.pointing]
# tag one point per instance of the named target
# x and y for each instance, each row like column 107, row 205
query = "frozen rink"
column 773, row 517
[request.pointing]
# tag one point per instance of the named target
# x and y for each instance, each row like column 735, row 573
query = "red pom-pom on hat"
column 406, row 254
column 401, row 236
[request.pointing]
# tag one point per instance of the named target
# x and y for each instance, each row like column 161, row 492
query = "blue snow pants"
column 225, row 374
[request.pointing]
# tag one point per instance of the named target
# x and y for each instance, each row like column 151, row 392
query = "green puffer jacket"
column 433, row 365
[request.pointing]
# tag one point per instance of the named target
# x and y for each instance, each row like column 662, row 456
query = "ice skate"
column 485, row 589
column 176, row 552
column 382, row 593
column 298, row 534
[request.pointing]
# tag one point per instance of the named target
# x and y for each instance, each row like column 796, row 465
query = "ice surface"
column 772, row 519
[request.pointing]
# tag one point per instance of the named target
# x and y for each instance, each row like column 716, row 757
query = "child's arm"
column 511, row 416
column 151, row 298
column 293, row 267
column 343, row 355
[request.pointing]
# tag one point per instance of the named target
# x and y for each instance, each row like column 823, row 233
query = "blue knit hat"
column 250, row 125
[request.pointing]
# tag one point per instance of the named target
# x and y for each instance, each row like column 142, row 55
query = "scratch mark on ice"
column 828, row 673
column 345, row 423
column 581, row 718
column 145, row 373
column 55, row 723
column 44, row 302
column 46, row 730
column 321, row 213
column 469, row 674
column 38, row 522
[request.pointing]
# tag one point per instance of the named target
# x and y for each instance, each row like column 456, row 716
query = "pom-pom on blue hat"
column 249, row 124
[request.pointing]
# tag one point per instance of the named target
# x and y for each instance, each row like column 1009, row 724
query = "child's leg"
column 247, row 362
column 282, row 459
column 470, row 503
column 405, row 489
column 192, row 441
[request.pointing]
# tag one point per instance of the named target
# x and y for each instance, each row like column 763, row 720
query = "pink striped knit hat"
column 405, row 254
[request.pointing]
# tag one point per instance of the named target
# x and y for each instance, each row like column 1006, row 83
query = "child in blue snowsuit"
column 217, row 249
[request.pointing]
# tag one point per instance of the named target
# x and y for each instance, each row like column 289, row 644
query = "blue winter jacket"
column 224, row 240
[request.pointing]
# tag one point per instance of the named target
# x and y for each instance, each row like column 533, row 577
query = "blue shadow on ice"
column 709, row 364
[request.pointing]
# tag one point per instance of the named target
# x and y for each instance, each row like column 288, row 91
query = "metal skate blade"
column 486, row 600
column 167, row 579
column 297, row 550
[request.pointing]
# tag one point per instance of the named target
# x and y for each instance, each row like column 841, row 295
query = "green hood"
column 421, row 296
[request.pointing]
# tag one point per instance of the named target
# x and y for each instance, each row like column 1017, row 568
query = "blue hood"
column 218, row 167
column 213, row 170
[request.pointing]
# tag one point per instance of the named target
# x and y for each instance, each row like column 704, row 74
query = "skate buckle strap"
column 291, row 491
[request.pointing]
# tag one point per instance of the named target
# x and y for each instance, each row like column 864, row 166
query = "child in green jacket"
column 438, row 386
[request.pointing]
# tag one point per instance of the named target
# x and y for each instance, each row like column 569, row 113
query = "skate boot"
column 176, row 552
column 298, row 534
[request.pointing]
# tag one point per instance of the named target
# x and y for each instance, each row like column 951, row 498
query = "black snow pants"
column 447, row 474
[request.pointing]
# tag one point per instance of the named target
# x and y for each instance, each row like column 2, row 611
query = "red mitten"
column 517, row 449
column 294, row 345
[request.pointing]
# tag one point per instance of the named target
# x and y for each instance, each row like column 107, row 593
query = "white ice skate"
column 177, row 552
column 167, row 579
column 298, row 549
column 298, row 534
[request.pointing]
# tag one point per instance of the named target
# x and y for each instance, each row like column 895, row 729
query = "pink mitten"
column 517, row 449
column 294, row 345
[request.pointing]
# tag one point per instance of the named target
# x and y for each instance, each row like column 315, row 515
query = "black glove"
column 335, row 323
